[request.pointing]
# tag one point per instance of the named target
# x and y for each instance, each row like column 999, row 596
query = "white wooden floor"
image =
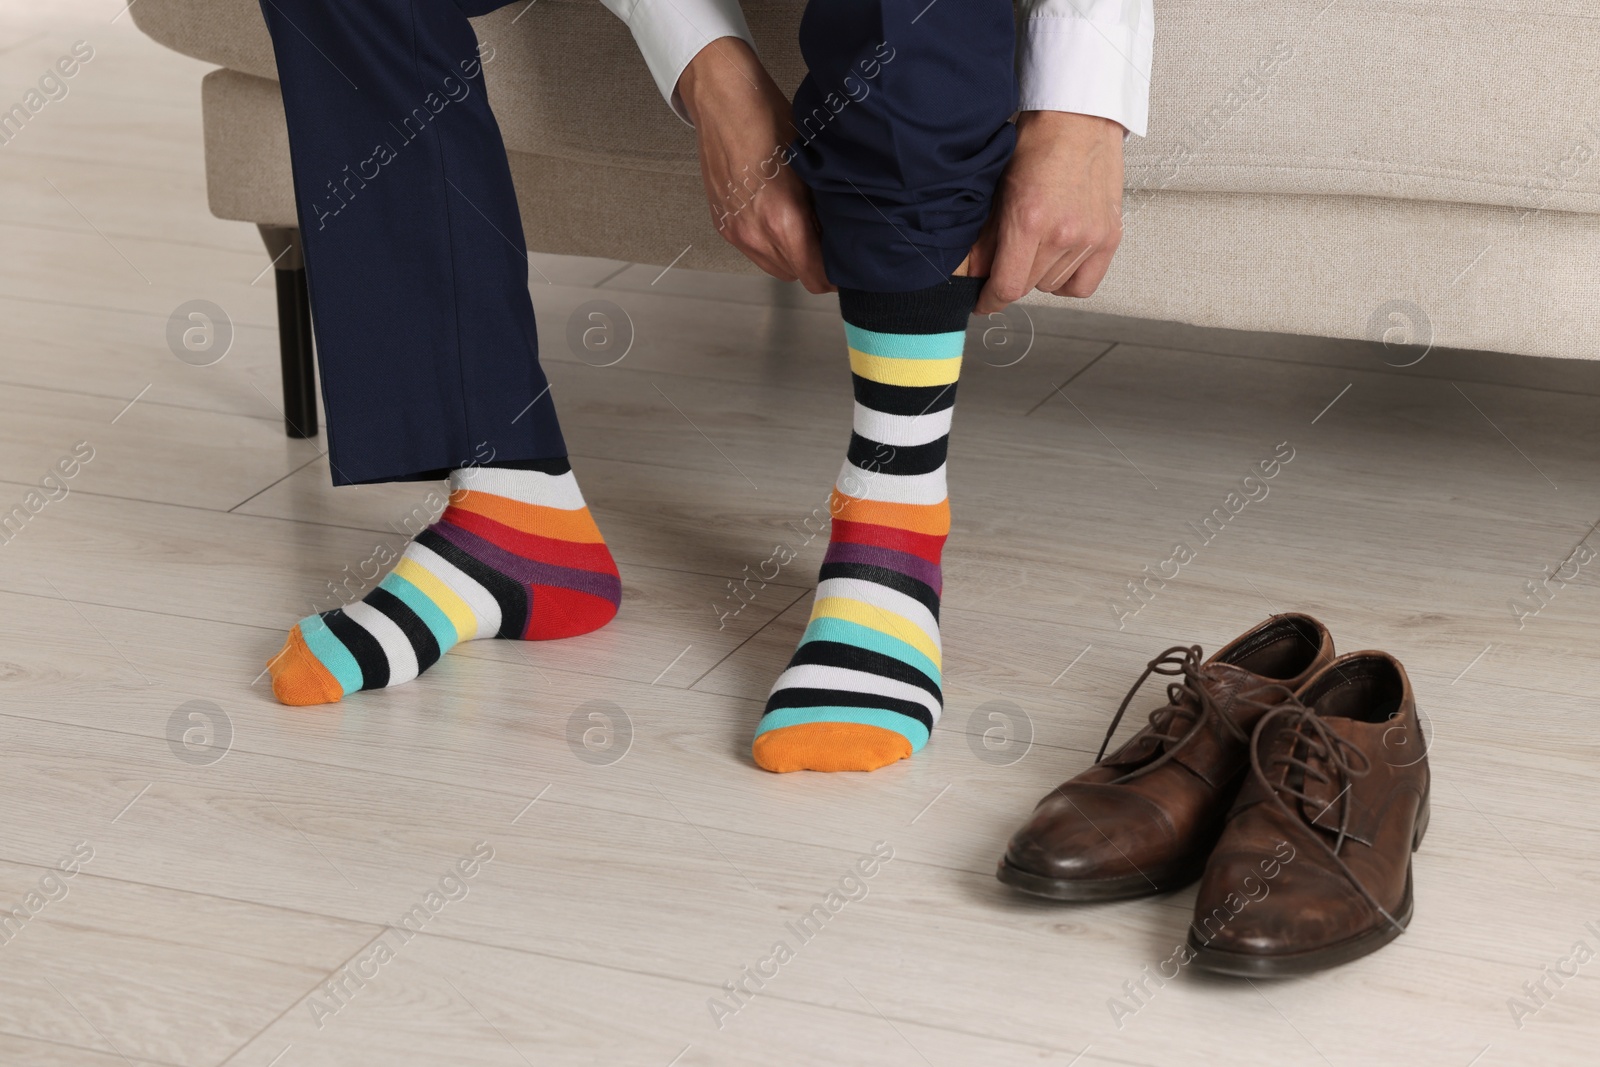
column 239, row 898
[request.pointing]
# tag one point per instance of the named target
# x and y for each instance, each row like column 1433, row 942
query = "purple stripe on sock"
column 531, row 571
column 904, row 562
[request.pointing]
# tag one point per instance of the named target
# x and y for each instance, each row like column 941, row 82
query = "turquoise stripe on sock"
column 853, row 633
column 332, row 653
column 904, row 725
column 432, row 616
column 905, row 345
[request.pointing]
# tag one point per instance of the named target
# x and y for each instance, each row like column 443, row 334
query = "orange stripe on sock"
column 918, row 518
column 555, row 523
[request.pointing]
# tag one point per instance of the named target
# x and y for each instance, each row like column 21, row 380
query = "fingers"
column 804, row 252
column 777, row 231
column 1074, row 269
column 1058, row 208
column 1067, row 256
column 1059, row 273
column 807, row 263
column 1012, row 273
column 1081, row 278
column 795, row 255
column 778, row 268
column 1087, row 278
column 800, row 250
column 1036, row 244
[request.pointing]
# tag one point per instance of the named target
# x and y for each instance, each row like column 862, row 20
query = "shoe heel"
column 1423, row 814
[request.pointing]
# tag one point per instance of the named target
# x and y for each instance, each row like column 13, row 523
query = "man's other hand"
column 742, row 121
column 1058, row 217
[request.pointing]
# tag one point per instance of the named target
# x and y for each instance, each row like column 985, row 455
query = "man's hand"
column 1058, row 215
column 758, row 203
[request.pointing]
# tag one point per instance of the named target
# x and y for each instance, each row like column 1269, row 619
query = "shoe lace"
column 1311, row 747
column 1190, row 705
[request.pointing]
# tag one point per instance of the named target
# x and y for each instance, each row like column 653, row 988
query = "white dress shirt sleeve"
column 1088, row 56
column 669, row 33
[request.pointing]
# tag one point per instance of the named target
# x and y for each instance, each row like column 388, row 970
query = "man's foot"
column 863, row 688
column 515, row 555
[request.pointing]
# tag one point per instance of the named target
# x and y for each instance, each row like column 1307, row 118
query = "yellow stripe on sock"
column 890, row 371
column 458, row 611
column 876, row 618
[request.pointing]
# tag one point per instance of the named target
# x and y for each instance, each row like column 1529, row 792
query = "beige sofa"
column 1423, row 172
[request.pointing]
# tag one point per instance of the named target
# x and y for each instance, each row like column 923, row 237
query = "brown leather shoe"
column 1144, row 820
column 1314, row 866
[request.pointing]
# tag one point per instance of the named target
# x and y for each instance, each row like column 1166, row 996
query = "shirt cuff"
column 1070, row 63
column 670, row 33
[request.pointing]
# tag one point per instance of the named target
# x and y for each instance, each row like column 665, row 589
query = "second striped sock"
column 863, row 689
column 515, row 555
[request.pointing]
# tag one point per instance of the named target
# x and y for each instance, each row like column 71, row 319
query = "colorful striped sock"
column 863, row 688
column 514, row 555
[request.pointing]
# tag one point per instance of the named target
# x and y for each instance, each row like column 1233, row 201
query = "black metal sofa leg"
column 294, row 330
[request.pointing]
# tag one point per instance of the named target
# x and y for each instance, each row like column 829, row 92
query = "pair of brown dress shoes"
column 1293, row 784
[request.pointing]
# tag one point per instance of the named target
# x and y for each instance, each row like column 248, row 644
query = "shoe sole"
column 1247, row 965
column 1082, row 890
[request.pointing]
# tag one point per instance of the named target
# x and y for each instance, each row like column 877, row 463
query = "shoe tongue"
column 1226, row 683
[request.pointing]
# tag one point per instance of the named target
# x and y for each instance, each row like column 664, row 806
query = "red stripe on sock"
column 559, row 612
column 589, row 557
column 929, row 546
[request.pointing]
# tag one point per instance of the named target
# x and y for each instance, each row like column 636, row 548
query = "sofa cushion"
column 1192, row 257
column 1448, row 100
column 1451, row 100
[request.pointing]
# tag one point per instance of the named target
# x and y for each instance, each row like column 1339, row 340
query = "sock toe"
column 829, row 746
column 299, row 678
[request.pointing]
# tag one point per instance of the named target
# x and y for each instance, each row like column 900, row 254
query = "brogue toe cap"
column 1090, row 834
column 1304, row 907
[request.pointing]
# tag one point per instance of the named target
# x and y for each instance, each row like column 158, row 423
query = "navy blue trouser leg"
column 903, row 132
column 413, row 241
